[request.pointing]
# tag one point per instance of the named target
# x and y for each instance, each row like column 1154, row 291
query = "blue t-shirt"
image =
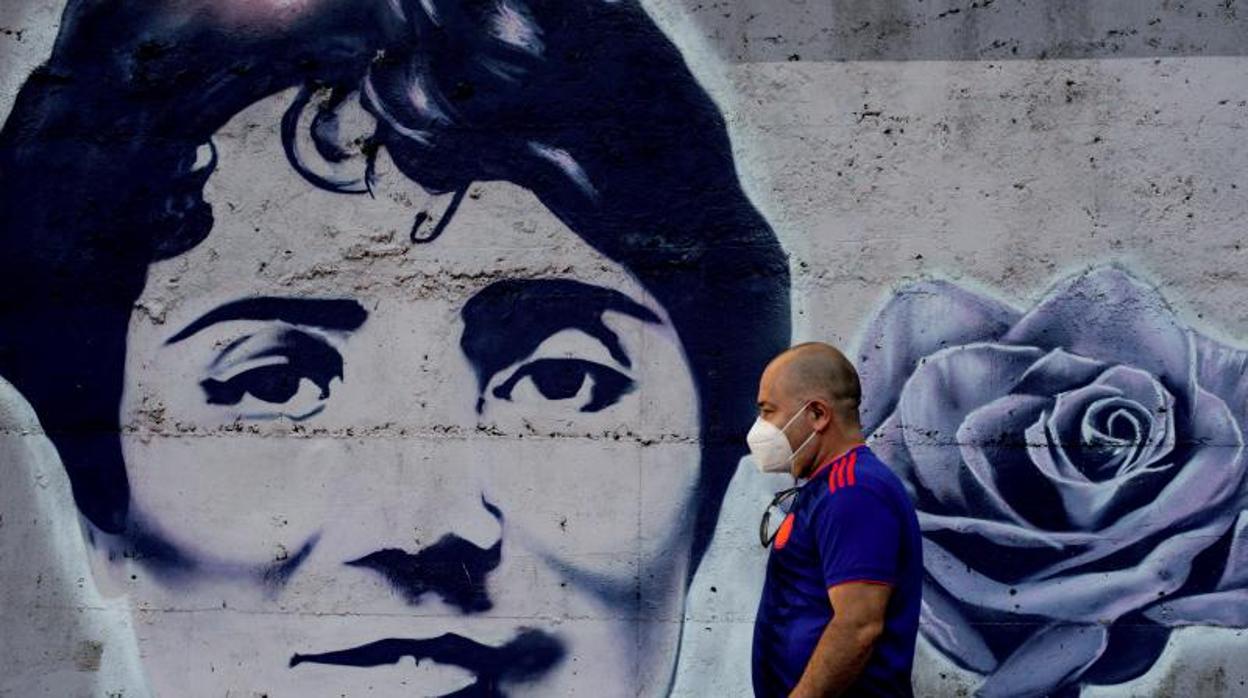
column 851, row 522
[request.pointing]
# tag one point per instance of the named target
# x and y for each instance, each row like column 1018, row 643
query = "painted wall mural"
column 1078, row 469
column 407, row 347
column 289, row 474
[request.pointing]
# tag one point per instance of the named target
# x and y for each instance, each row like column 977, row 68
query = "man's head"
column 811, row 392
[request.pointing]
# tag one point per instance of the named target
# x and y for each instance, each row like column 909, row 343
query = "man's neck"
column 830, row 449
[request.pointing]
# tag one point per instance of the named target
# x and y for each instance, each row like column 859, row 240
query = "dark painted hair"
column 98, row 180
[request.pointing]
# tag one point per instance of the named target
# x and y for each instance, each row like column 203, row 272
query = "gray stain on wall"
column 749, row 31
column 87, row 655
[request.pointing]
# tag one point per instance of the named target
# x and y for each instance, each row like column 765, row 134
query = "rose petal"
column 1054, row 657
column 1236, row 572
column 1223, row 371
column 1227, row 609
column 992, row 444
column 1101, row 596
column 1135, row 644
column 1128, row 396
column 917, row 321
column 1113, row 437
column 1156, row 400
column 1137, row 386
column 1063, row 427
column 1002, row 551
column 1201, row 488
column 936, row 399
column 1058, row 372
column 889, row 445
column 1083, row 420
column 945, row 627
column 1006, row 535
column 1106, row 314
column 1087, row 505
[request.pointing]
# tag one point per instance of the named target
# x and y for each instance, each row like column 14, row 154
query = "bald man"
column 840, row 605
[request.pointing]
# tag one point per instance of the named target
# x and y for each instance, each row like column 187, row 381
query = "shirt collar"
column 834, row 461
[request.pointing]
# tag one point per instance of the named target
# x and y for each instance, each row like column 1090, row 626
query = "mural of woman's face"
column 364, row 466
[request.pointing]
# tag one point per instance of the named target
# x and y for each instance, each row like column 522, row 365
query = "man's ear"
column 824, row 415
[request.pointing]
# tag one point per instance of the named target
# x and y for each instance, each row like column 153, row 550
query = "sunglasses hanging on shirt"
column 782, row 503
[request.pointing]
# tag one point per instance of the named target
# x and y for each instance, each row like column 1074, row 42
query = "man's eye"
column 564, row 379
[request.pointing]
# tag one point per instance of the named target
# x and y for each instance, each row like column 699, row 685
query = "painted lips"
column 526, row 657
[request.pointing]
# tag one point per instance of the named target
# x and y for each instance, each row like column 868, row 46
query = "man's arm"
column 847, row 641
column 859, row 539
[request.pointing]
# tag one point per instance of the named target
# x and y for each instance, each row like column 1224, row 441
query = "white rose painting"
column 1078, row 470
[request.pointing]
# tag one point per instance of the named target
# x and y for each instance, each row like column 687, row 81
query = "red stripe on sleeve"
column 875, row 582
column 836, row 465
column 853, row 460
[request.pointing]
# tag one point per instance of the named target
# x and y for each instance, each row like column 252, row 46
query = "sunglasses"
column 780, row 504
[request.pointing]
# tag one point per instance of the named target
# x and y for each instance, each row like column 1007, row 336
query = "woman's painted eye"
column 564, row 379
column 276, row 383
column 295, row 373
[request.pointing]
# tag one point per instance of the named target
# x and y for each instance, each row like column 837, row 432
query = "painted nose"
column 406, row 495
column 453, row 568
column 414, row 518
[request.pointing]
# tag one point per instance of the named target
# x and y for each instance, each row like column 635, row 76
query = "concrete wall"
column 464, row 354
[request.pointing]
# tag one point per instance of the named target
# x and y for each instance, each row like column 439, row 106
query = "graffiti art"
column 1079, row 471
column 306, row 477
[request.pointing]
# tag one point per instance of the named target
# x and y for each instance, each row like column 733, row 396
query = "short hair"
column 98, row 180
column 817, row 369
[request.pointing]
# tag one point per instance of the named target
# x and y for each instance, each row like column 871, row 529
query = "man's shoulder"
column 859, row 467
column 877, row 471
column 860, row 475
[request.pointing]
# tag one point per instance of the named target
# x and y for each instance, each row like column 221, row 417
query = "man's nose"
column 452, row 567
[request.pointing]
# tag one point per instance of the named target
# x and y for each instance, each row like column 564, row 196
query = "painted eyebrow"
column 507, row 320
column 326, row 313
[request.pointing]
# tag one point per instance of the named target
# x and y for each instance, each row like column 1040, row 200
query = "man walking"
column 840, row 605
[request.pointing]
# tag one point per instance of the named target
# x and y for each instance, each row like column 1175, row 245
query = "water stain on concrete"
column 87, row 655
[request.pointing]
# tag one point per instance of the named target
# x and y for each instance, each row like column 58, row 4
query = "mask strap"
column 796, row 415
column 805, row 443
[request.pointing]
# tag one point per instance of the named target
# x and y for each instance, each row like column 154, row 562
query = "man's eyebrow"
column 326, row 313
column 507, row 320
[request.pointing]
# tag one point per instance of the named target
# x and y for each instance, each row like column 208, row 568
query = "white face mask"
column 770, row 447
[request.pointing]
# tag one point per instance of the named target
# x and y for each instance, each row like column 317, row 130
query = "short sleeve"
column 859, row 537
